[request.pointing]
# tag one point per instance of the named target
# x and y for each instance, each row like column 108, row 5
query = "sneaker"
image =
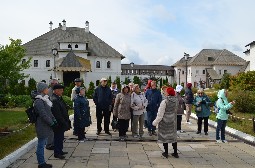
column 198, row 132
column 206, row 133
column 83, row 140
column 150, row 133
column 45, row 165
column 121, row 138
column 224, row 141
column 154, row 133
column 181, row 131
column 59, row 156
column 218, row 141
column 175, row 155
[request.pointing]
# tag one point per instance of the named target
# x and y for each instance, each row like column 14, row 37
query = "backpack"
column 32, row 116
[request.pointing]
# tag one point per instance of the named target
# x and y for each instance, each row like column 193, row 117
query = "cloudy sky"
column 145, row 31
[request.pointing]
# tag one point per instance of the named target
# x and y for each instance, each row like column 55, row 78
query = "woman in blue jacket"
column 81, row 113
column 223, row 106
column 202, row 109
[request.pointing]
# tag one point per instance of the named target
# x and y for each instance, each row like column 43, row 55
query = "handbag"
column 198, row 108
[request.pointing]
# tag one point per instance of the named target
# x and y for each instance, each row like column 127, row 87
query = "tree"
column 225, row 81
column 137, row 80
column 12, row 62
column 90, row 90
column 127, row 81
column 31, row 85
column 117, row 80
column 109, row 81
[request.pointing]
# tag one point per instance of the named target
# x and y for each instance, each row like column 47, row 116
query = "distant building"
column 147, row 72
column 250, row 56
column 80, row 54
column 207, row 67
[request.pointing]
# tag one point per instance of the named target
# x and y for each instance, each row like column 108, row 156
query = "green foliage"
column 137, row 80
column 243, row 81
column 244, row 101
column 225, row 81
column 213, row 96
column 216, row 86
column 117, row 80
column 127, row 81
column 68, row 101
column 68, row 89
column 11, row 101
column 31, row 85
column 11, row 63
column 109, row 81
column 90, row 91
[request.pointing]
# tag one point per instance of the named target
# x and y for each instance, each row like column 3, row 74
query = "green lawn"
column 11, row 120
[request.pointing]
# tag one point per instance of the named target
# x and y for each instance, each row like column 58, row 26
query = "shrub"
column 244, row 101
column 225, row 81
column 216, row 86
column 68, row 101
column 90, row 91
column 213, row 96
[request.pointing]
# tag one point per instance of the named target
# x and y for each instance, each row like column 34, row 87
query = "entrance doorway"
column 68, row 77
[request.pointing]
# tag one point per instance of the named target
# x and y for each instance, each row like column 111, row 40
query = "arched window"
column 76, row 46
column 98, row 64
column 108, row 64
column 69, row 46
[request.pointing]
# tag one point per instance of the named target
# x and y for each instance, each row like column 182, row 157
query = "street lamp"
column 54, row 52
column 186, row 57
column 179, row 70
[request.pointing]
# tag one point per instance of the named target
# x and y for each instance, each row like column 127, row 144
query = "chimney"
column 64, row 25
column 87, row 27
column 59, row 25
column 51, row 25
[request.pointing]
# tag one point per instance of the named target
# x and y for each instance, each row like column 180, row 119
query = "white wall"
column 251, row 57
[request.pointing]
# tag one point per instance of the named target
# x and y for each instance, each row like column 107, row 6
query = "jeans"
column 199, row 124
column 221, row 125
column 100, row 113
column 136, row 119
column 123, row 126
column 151, row 116
column 58, row 142
column 40, row 150
column 179, row 122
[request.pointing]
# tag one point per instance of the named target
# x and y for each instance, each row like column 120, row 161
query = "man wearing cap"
column 77, row 83
column 189, row 98
column 103, row 99
column 53, row 82
column 60, row 112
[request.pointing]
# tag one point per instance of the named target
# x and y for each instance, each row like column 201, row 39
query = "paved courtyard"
column 106, row 151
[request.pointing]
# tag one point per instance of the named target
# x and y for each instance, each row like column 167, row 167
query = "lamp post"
column 54, row 52
column 179, row 70
column 186, row 56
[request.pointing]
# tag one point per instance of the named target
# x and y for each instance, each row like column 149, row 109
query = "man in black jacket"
column 103, row 99
column 60, row 112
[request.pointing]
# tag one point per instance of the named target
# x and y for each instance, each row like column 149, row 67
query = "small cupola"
column 64, row 25
column 50, row 25
column 87, row 27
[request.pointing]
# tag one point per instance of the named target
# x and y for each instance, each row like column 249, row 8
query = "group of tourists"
column 149, row 108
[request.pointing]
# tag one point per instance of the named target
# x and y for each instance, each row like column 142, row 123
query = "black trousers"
column 179, row 122
column 174, row 147
column 123, row 126
column 199, row 124
column 100, row 113
column 58, row 141
column 81, row 134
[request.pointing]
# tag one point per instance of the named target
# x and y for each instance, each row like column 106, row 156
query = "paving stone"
column 154, row 153
column 159, row 161
column 185, row 148
column 194, row 146
column 100, row 150
column 121, row 161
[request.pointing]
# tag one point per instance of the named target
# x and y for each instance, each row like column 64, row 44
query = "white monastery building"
column 207, row 67
column 78, row 54
column 250, row 56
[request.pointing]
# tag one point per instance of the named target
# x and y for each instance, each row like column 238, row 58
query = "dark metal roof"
column 43, row 44
column 247, row 51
